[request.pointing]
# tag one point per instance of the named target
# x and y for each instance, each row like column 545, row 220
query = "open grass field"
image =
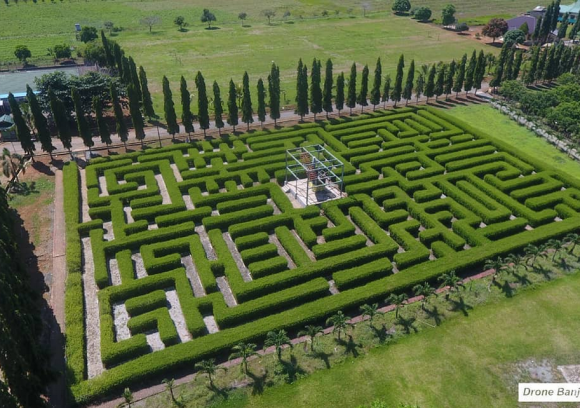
column 191, row 248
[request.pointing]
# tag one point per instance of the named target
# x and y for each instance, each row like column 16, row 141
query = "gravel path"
column 211, row 324
column 176, row 172
column 109, row 234
column 114, row 272
column 273, row 239
column 121, row 318
column 188, row 202
column 246, row 276
column 104, row 192
column 193, row 276
column 176, row 314
column 128, row 217
column 224, row 287
column 162, row 189
column 332, row 287
column 154, row 341
column 138, row 265
column 209, row 251
column 84, row 197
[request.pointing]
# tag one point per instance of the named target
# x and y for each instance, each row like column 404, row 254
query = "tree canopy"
column 496, row 27
column 401, row 6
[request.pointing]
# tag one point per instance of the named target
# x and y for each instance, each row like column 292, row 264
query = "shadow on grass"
column 322, row 356
column 350, row 346
column 522, row 279
column 290, row 369
column 381, row 333
column 407, row 323
column 460, row 305
column 434, row 314
column 212, row 28
column 258, row 382
column 546, row 273
column 24, row 188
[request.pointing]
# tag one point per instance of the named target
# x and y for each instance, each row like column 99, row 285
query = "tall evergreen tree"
column 364, row 88
column 40, row 122
column 351, row 96
column 419, row 86
column 470, row 72
column 118, row 54
column 104, row 131
column 145, row 94
column 186, row 114
column 509, row 64
column 169, row 109
column 339, row 101
column 82, row 124
column 261, row 102
column 517, row 65
column 450, row 79
column 575, row 29
column 537, row 34
column 247, row 112
column 315, row 90
column 126, row 77
column 60, row 118
column 555, row 15
column 274, row 92
column 500, row 66
column 562, row 31
column 135, row 78
column 546, row 23
column 460, row 78
column 386, row 91
column 541, row 64
column 22, row 130
column 135, row 112
column 217, row 107
column 440, row 82
column 398, row 85
column 108, row 50
column 122, row 130
column 327, row 89
column 430, row 86
column 550, row 66
column 479, row 72
column 408, row 90
column 376, row 90
column 232, row 106
column 301, row 90
column 202, row 103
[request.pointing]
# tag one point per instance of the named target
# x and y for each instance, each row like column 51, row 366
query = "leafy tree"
column 128, row 397
column 274, row 92
column 12, row 164
column 327, row 89
column 448, row 15
column 351, row 96
column 209, row 368
column 277, row 339
column 244, row 351
column 180, row 22
column 88, row 34
column 315, row 90
column 371, row 311
column 145, row 94
column 22, row 130
column 339, row 100
column 93, row 53
column 169, row 109
column 202, row 102
column 398, row 86
column 479, row 71
column 440, row 82
column 408, row 90
column 496, row 27
column 60, row 118
column 376, row 91
column 150, row 21
column 22, row 53
column 82, row 124
column 247, row 112
column 40, row 122
column 425, row 290
column 186, row 114
column 301, row 90
column 460, row 78
column 423, row 14
column 135, row 112
column 450, row 79
column 311, row 331
column 63, row 51
column 207, row 17
column 430, row 86
column 514, row 37
column 269, row 14
column 232, row 106
column 242, row 16
column 461, row 27
column 364, row 88
column 386, row 91
column 104, row 131
column 401, row 6
column 398, row 301
column 451, row 280
column 339, row 322
column 420, row 86
column 217, row 107
column 524, row 28
column 470, row 72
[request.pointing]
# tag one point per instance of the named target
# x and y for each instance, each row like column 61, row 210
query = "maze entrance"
column 313, row 175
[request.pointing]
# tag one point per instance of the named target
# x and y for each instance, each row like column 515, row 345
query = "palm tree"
column 277, row 339
column 339, row 321
column 516, row 260
column 572, row 240
column 128, row 397
column 210, row 368
column 425, row 290
column 311, row 331
column 169, row 385
column 244, row 351
column 12, row 164
column 451, row 280
column 398, row 301
column 533, row 252
column 556, row 245
column 371, row 311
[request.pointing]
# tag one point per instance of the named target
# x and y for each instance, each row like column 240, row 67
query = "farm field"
column 190, row 249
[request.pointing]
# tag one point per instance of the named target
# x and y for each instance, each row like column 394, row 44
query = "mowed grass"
column 466, row 362
column 498, row 125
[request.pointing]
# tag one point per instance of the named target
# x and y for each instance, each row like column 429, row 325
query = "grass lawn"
column 496, row 124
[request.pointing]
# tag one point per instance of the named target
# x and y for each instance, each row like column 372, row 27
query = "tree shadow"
column 350, row 346
column 460, row 305
column 506, row 288
column 291, row 369
column 407, row 323
column 42, row 168
column 434, row 314
column 322, row 356
column 546, row 273
column 24, row 188
column 212, row 28
column 564, row 265
column 219, row 391
column 258, row 382
column 522, row 279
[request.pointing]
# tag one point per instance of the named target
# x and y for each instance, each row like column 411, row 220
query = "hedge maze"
column 189, row 249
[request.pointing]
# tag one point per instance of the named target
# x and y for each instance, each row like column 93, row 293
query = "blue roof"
column 570, row 8
column 17, row 95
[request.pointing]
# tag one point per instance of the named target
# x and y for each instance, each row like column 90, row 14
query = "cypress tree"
column 217, row 107
column 546, row 23
column 460, row 78
column 550, row 65
column 135, row 79
column 82, row 124
column 126, row 77
column 565, row 61
column 408, row 90
column 327, row 90
column 186, row 115
column 555, row 15
column 108, row 51
column 301, row 90
column 232, row 106
column 398, row 85
column 364, row 88
column 517, row 65
column 121, row 126
column 145, row 94
column 274, row 92
column 261, row 102
column 118, row 54
column 169, row 109
column 500, row 67
column 430, row 86
column 479, row 72
column 440, row 82
column 60, row 119
column 575, row 28
column 537, row 30
column 351, row 96
column 541, row 65
column 509, row 66
column 202, row 102
column 135, row 112
column 563, row 27
column 377, row 81
column 419, row 86
column 22, row 130
column 104, row 131
column 315, row 90
column 339, row 101
column 247, row 111
column 40, row 122
column 470, row 72
column 386, row 91
column 450, row 79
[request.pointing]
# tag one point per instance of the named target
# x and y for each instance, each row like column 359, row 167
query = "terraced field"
column 189, row 249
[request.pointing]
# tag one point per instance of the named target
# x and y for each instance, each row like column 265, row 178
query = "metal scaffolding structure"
column 313, row 170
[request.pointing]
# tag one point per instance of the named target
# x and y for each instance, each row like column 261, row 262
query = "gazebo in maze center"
column 313, row 175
